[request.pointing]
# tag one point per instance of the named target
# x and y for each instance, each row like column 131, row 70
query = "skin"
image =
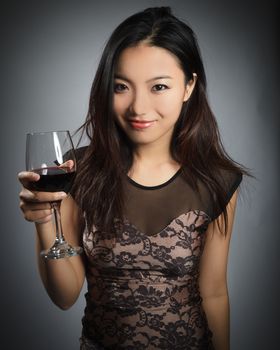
column 141, row 93
column 137, row 95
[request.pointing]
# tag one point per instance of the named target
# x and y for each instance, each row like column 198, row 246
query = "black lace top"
column 143, row 293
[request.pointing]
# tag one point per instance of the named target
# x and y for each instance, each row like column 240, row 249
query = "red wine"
column 53, row 179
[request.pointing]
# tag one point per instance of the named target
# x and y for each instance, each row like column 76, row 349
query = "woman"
column 153, row 202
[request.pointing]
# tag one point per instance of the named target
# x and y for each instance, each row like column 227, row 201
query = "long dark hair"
column 195, row 144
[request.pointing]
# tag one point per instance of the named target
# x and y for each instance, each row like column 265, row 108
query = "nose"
column 140, row 103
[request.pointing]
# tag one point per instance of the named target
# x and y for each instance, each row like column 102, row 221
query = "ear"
column 189, row 87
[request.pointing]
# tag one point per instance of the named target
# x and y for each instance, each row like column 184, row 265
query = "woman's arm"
column 63, row 278
column 213, row 279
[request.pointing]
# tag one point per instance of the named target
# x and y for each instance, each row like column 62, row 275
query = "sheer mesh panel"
column 152, row 208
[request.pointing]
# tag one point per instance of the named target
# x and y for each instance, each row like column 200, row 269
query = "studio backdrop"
column 49, row 55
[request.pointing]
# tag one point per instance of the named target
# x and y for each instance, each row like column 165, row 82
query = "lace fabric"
column 143, row 291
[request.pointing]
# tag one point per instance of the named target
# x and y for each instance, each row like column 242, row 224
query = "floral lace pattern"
column 143, row 293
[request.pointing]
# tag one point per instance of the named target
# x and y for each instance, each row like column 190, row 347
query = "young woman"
column 153, row 202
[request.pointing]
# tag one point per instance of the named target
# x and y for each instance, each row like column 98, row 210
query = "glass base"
column 61, row 250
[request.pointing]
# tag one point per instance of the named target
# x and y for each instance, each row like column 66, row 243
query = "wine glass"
column 51, row 155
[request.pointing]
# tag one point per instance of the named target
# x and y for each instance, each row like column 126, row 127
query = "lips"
column 141, row 124
column 140, row 121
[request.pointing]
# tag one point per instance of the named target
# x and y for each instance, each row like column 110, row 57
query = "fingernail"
column 62, row 194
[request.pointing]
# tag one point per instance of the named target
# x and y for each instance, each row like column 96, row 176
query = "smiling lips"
column 141, row 124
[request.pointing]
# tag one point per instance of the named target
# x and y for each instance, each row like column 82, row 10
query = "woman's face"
column 149, row 86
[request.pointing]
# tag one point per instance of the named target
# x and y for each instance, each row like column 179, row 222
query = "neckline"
column 136, row 184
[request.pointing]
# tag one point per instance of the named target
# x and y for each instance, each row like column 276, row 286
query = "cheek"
column 170, row 104
column 120, row 104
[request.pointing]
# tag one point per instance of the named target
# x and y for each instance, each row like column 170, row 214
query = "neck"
column 152, row 155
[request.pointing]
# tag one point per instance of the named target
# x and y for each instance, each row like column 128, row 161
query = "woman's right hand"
column 64, row 279
column 35, row 205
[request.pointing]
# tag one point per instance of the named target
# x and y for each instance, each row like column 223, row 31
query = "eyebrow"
column 118, row 76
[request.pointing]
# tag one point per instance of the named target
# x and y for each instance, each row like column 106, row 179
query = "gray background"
column 49, row 54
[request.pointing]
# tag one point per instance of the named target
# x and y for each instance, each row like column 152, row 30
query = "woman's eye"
column 119, row 87
column 159, row 87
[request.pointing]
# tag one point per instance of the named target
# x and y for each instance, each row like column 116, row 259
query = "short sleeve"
column 232, row 181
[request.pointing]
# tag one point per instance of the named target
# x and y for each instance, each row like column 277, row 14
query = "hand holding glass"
column 52, row 156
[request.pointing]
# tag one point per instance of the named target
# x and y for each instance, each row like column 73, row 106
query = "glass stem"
column 59, row 239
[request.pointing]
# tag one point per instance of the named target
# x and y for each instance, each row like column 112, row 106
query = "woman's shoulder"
column 80, row 153
column 231, row 178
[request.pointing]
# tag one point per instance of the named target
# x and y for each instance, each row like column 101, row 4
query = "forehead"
column 143, row 60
